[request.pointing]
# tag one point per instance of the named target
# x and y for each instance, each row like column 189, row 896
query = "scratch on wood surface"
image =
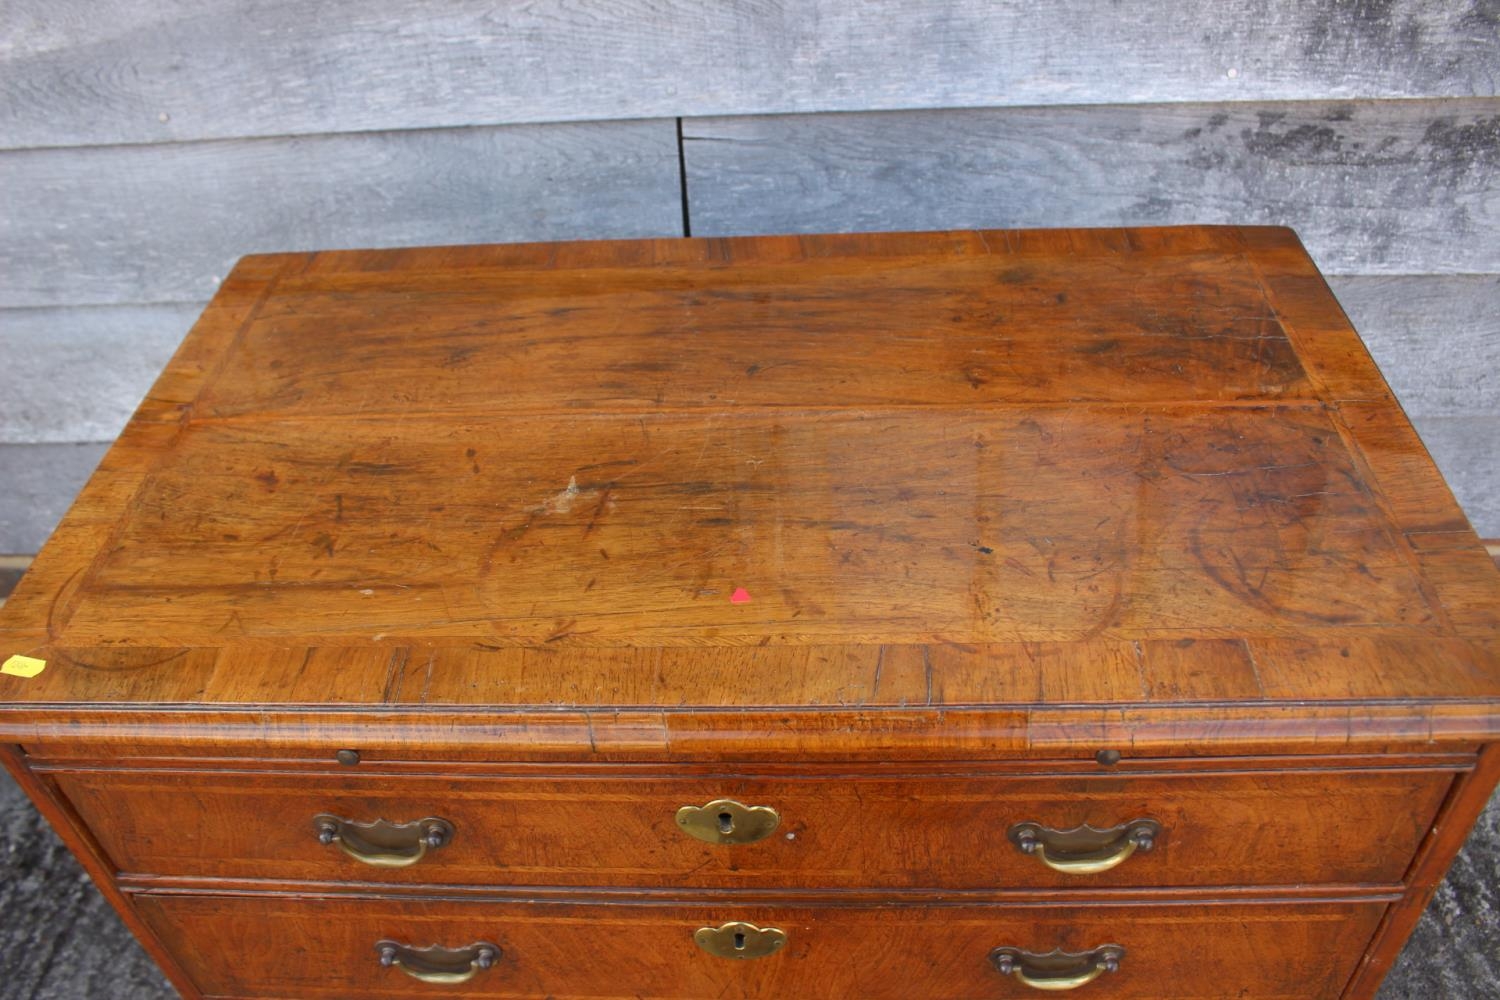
column 927, row 670
column 1254, row 667
column 606, row 501
column 427, row 681
column 233, row 619
column 1142, row 675
column 395, row 673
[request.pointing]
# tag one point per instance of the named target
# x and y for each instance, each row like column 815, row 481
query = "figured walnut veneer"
column 909, row 536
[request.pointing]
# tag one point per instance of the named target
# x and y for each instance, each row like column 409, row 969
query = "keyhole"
column 739, row 942
column 726, row 823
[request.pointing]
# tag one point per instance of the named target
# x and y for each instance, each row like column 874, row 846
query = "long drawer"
column 277, row 947
column 924, row 831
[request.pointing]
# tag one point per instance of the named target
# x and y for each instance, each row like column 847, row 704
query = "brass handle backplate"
column 725, row 821
column 436, row 964
column 382, row 843
column 739, row 940
column 1057, row 970
column 1084, row 850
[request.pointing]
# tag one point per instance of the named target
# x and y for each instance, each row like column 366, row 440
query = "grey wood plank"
column 161, row 223
column 78, row 374
column 77, row 72
column 1467, row 452
column 1435, row 337
column 41, row 481
column 1390, row 187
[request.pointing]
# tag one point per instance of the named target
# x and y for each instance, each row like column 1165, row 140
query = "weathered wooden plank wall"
column 79, row 72
column 161, row 223
column 144, row 145
column 1382, row 187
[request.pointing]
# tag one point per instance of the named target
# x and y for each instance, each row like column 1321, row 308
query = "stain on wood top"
column 1043, row 468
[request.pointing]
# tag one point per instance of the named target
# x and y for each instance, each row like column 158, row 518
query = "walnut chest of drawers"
column 948, row 615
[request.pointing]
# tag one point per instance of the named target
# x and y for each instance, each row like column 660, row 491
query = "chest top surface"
column 1067, row 468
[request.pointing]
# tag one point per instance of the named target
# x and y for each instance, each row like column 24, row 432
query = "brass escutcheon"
column 725, row 821
column 739, row 940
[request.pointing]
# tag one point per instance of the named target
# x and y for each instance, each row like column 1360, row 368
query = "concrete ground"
column 59, row 940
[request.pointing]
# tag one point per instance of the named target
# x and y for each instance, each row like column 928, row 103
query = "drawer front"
column 267, row 947
column 945, row 832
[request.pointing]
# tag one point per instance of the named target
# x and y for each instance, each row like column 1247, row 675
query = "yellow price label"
column 22, row 666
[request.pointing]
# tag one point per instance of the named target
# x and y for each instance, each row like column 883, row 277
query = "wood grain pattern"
column 924, row 832
column 691, row 733
column 903, row 331
column 998, row 542
column 145, row 72
column 398, row 538
column 150, row 224
column 301, row 945
column 79, row 372
column 1389, row 187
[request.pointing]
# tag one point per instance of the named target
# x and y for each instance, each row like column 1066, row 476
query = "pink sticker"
column 740, row 596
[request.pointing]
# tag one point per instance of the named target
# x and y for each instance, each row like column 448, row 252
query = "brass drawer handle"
column 382, row 843
column 1084, row 850
column 1057, row 970
column 725, row 821
column 739, row 940
column 436, row 964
